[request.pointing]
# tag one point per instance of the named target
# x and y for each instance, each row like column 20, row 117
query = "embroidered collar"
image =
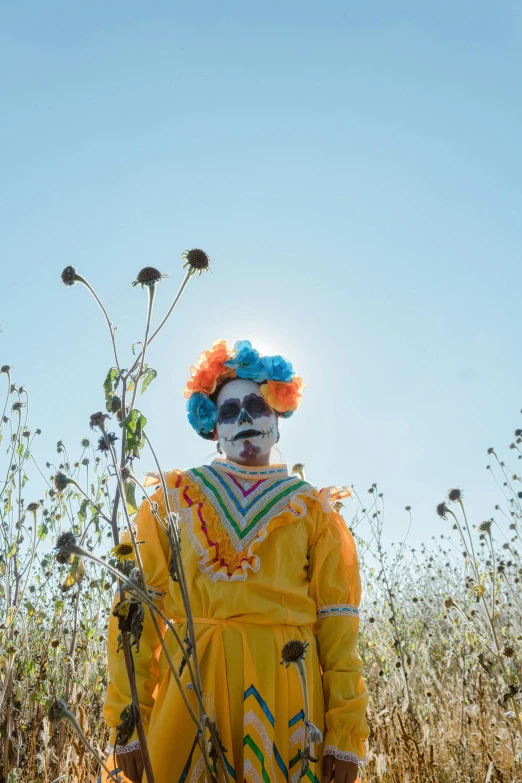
column 251, row 471
column 246, row 503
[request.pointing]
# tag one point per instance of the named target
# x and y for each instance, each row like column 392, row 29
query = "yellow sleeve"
column 155, row 556
column 335, row 585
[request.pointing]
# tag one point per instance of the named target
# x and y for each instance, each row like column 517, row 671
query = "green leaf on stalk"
column 42, row 531
column 134, row 424
column 82, row 513
column 130, row 497
column 20, row 449
column 12, row 550
column 111, row 382
column 147, row 376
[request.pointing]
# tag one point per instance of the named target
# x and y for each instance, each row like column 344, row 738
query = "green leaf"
column 130, row 496
column 20, row 449
column 82, row 513
column 111, row 382
column 42, row 531
column 12, row 550
column 148, row 376
column 134, row 424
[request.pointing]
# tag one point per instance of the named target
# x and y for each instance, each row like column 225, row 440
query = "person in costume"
column 267, row 560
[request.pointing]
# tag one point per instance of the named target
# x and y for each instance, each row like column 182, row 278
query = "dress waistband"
column 214, row 621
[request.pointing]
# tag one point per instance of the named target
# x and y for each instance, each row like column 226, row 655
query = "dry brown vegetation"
column 440, row 635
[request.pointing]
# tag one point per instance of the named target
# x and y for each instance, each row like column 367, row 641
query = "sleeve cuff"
column 331, row 750
column 345, row 746
column 111, row 748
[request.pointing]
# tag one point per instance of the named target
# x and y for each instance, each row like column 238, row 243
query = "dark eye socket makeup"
column 252, row 403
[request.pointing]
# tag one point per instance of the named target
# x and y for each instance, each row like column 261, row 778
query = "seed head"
column 17, row 406
column 298, row 469
column 449, row 602
column 98, row 419
column 508, row 651
column 454, row 495
column 33, row 507
column 6, row 369
column 491, row 450
column 196, row 260
column 293, row 652
column 485, row 527
column 442, row 510
column 70, row 276
column 61, row 481
column 66, row 544
column 125, row 473
column 106, row 441
column 85, row 442
column 58, row 711
column 148, row 276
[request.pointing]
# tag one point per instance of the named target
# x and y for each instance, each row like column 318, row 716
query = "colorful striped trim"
column 250, row 472
column 242, row 522
column 336, row 609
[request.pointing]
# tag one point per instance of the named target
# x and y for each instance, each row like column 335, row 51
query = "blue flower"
column 202, row 413
column 278, row 369
column 247, row 362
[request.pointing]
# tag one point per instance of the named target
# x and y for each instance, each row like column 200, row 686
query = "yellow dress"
column 266, row 560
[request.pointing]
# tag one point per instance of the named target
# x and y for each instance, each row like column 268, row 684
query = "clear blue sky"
column 353, row 169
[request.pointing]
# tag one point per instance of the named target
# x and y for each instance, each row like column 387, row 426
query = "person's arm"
column 335, row 585
column 155, row 554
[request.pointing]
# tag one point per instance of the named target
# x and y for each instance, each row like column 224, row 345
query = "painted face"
column 246, row 425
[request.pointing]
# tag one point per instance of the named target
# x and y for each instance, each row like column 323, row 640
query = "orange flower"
column 283, row 396
column 210, row 370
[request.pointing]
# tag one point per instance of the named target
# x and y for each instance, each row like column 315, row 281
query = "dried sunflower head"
column 148, row 276
column 454, row 495
column 293, row 652
column 196, row 260
column 70, row 276
column 61, row 481
column 442, row 510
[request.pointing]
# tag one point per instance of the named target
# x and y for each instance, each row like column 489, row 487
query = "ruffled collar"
column 253, row 472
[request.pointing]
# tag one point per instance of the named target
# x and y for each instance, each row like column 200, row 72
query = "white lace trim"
column 120, row 749
column 331, row 750
column 333, row 609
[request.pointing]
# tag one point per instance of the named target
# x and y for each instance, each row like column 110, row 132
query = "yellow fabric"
column 306, row 560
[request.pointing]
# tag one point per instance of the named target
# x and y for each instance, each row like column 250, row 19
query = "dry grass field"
column 440, row 633
column 441, row 627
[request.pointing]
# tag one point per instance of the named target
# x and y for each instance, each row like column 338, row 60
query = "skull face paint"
column 246, row 425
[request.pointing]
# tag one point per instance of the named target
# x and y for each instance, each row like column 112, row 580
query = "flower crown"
column 280, row 387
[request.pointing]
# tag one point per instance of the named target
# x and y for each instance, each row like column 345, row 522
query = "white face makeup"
column 246, row 425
